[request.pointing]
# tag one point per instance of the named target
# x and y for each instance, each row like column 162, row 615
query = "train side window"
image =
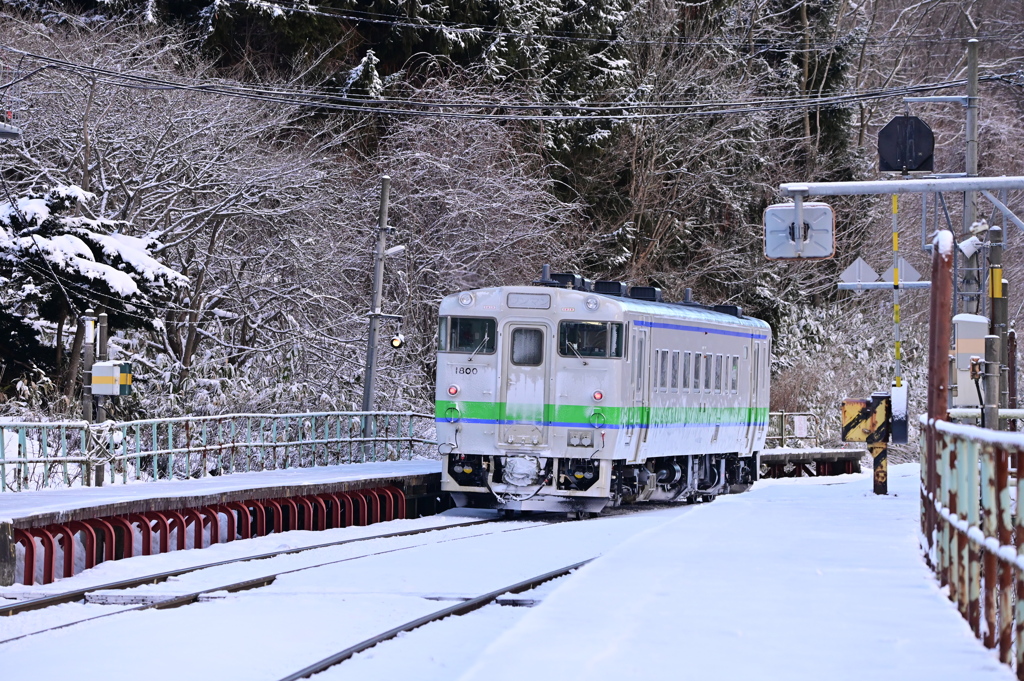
column 654, row 370
column 686, row 370
column 663, row 366
column 527, row 347
column 675, row 371
column 696, row 371
column 590, row 339
column 735, row 374
column 639, row 364
column 707, row 372
column 718, row 373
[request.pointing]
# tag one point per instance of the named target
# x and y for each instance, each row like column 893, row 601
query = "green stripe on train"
column 616, row 416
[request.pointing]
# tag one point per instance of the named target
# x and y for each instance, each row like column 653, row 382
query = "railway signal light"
column 906, row 145
column 397, row 341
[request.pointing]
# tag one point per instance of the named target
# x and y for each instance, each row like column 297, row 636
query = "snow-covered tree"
column 55, row 263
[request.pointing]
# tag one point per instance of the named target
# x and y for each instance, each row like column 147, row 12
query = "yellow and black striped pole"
column 898, row 369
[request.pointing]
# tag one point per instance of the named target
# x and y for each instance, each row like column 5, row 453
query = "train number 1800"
column 465, row 370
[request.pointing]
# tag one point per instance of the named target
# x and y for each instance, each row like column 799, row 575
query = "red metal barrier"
column 260, row 511
column 128, row 545
column 212, row 517
column 319, row 513
column 107, row 542
column 244, row 519
column 99, row 535
column 145, row 531
column 49, row 552
column 67, row 545
column 278, row 514
column 399, row 496
column 197, row 527
column 163, row 529
column 88, row 541
column 23, row 537
column 307, row 512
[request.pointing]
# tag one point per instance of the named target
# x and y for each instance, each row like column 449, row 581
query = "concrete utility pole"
column 970, row 288
column 369, row 376
column 88, row 359
column 102, row 356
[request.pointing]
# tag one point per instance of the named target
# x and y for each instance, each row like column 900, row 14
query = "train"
column 575, row 395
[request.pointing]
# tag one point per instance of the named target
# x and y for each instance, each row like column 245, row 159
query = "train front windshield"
column 466, row 334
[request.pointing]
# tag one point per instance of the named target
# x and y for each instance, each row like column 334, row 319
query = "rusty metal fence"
column 64, row 454
column 974, row 529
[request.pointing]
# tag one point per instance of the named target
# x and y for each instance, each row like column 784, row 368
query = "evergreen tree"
column 55, row 263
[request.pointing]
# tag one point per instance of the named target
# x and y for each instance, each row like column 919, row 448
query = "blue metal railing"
column 64, row 454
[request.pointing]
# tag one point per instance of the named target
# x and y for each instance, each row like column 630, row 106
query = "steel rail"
column 457, row 609
column 256, row 582
column 79, row 594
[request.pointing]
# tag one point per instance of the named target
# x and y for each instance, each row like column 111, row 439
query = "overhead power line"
column 614, row 111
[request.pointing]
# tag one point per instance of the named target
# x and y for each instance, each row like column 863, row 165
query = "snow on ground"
column 24, row 504
column 304, row 616
column 112, row 571
column 797, row 579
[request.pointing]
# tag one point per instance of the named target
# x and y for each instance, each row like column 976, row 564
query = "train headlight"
column 592, row 304
column 466, row 299
column 453, row 390
column 598, row 395
column 467, row 469
column 578, row 474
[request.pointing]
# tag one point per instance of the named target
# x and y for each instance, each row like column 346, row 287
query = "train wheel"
column 508, row 513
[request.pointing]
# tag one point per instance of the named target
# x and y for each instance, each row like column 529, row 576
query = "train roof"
column 491, row 300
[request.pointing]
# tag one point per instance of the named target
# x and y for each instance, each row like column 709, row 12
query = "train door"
column 525, row 385
column 639, row 413
column 755, row 381
column 759, row 364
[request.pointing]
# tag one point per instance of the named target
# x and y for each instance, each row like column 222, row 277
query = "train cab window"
column 590, row 339
column 696, row 371
column 442, row 334
column 718, row 373
column 707, row 372
column 675, row 371
column 467, row 334
column 686, row 370
column 527, row 347
column 734, row 374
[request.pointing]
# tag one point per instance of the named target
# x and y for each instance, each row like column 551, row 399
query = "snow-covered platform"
column 812, row 578
column 46, row 507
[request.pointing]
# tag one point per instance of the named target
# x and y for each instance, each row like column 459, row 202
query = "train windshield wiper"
column 482, row 343
column 572, row 346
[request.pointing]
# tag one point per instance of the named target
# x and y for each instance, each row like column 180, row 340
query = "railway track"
column 79, row 594
column 234, row 587
column 462, row 608
column 296, row 610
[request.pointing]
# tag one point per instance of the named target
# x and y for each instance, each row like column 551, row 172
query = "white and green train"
column 569, row 395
